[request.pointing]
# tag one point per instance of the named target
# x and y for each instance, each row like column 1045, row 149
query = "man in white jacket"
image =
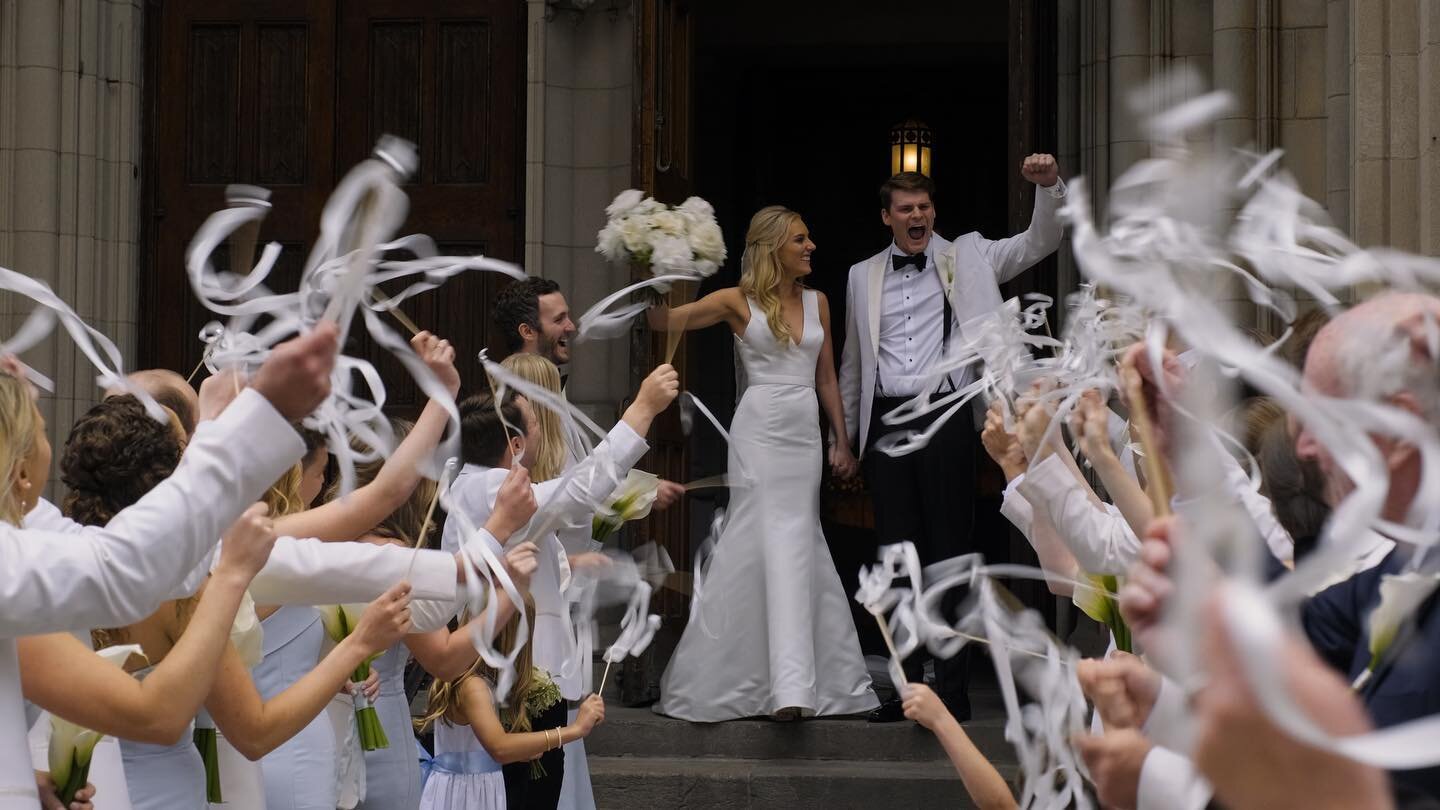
column 905, row 309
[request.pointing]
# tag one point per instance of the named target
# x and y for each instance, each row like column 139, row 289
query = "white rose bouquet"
column 684, row 240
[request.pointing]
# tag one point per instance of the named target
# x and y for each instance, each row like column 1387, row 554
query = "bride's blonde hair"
column 760, row 274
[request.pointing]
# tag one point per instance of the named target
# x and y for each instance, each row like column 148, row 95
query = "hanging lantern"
column 910, row 144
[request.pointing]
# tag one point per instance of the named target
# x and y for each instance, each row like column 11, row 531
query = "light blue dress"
column 392, row 775
column 300, row 773
column 463, row 776
column 164, row 777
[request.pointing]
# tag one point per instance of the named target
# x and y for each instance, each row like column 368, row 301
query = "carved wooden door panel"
column 290, row 95
column 661, row 161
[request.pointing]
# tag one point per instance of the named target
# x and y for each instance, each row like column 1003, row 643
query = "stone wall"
column 581, row 72
column 70, row 177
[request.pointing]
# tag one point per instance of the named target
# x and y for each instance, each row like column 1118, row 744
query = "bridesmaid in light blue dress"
column 392, row 775
column 164, row 777
column 300, row 773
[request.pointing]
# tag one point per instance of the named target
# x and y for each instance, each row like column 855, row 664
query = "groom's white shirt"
column 970, row 270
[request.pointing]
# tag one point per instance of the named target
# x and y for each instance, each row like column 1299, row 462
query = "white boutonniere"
column 946, row 263
column 1400, row 596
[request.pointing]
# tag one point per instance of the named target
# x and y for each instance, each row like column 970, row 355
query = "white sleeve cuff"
column 1016, row 508
column 627, row 445
column 1169, row 781
column 1057, row 191
column 1168, row 723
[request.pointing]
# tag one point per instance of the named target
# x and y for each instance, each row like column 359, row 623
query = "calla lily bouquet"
column 340, row 621
column 632, row 500
column 72, row 746
column 1101, row 605
column 1400, row 596
column 685, row 239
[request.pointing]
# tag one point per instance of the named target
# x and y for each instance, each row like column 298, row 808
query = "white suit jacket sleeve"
column 1016, row 254
column 1097, row 534
column 1016, row 507
column 850, row 361
column 572, row 496
column 111, row 575
column 311, row 572
column 1169, row 781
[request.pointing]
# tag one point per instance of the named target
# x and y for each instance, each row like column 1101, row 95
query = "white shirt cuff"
column 1057, row 191
column 1169, row 781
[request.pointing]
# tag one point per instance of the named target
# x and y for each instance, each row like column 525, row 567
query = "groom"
column 905, row 307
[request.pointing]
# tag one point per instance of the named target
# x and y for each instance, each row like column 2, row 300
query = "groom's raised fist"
column 1042, row 170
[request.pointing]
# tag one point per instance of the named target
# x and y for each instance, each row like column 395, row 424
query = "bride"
column 771, row 633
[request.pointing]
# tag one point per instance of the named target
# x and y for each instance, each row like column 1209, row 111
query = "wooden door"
column 290, row 94
column 662, row 164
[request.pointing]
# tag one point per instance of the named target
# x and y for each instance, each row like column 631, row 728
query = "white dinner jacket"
column 119, row 573
column 972, row 268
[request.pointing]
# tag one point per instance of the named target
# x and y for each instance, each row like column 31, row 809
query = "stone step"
column 622, row 783
column 632, row 732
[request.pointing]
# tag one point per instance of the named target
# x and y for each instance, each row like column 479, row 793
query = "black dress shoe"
column 891, row 711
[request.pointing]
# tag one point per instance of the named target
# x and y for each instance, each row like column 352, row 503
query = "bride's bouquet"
column 684, row 240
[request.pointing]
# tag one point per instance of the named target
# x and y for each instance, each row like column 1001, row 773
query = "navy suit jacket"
column 1407, row 684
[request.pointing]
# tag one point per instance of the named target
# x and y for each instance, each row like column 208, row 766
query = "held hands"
column 1122, row 688
column 925, row 707
column 370, row 687
column 667, row 494
column 50, row 798
column 385, row 620
column 1090, row 425
column 658, row 390
column 296, row 376
column 590, row 715
column 218, row 390
column 247, row 543
column 1040, row 169
column 1034, row 420
column 1002, row 445
column 1115, row 759
column 843, row 464
column 514, row 505
column 439, row 356
column 520, row 564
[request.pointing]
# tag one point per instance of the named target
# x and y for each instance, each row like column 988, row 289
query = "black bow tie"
column 901, row 262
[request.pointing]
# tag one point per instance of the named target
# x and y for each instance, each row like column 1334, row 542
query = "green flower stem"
column 206, row 740
column 79, row 775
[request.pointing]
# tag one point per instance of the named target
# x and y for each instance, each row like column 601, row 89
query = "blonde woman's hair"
column 405, row 523
column 19, row 426
column 550, row 460
column 760, row 274
column 444, row 697
column 283, row 496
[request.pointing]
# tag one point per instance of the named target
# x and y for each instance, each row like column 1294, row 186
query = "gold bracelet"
column 548, row 746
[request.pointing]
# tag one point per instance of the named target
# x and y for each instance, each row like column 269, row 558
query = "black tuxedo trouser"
column 927, row 497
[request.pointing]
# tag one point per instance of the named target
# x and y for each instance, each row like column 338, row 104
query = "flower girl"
column 474, row 737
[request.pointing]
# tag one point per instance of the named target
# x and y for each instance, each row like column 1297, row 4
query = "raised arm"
column 349, row 517
column 1013, row 255
column 255, row 726
column 60, row 673
column 727, row 305
column 1091, row 426
column 477, row 704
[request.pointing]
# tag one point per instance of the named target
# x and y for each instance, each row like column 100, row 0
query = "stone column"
column 578, row 145
column 69, row 176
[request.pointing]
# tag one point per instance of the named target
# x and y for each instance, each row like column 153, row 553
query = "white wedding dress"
column 772, row 628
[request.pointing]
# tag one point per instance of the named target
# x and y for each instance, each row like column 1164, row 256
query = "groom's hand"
column 1042, row 170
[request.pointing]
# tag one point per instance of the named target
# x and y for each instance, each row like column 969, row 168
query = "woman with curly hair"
column 114, row 455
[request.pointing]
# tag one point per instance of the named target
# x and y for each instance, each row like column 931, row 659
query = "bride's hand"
column 842, row 462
